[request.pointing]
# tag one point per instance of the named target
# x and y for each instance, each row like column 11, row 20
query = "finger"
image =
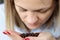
column 45, row 34
column 30, row 38
column 12, row 34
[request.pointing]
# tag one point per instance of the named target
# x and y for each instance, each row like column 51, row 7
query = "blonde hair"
column 13, row 18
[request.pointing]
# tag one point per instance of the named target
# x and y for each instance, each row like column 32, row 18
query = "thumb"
column 30, row 38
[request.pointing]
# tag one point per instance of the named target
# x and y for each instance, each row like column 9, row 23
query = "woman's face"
column 34, row 13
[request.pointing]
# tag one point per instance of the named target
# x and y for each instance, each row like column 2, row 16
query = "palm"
column 42, row 36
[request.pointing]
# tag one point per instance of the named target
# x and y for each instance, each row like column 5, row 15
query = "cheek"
column 22, row 16
column 44, row 17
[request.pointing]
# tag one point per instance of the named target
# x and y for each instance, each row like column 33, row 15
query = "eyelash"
column 22, row 10
column 36, row 11
column 41, row 11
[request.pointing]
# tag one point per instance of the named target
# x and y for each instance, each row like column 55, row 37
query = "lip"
column 32, row 24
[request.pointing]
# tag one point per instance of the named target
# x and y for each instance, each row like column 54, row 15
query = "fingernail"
column 4, row 33
column 8, row 33
column 26, row 39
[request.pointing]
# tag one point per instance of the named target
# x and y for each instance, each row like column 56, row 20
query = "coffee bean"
column 29, row 34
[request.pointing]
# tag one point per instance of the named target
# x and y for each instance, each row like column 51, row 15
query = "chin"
column 33, row 27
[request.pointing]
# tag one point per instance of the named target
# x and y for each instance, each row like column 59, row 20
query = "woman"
column 37, row 16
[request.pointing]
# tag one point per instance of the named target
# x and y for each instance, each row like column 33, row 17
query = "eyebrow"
column 37, row 9
column 21, row 7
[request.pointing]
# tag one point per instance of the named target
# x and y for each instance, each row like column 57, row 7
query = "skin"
column 33, row 13
column 42, row 36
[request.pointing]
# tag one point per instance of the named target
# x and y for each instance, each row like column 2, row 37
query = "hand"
column 42, row 36
column 13, row 35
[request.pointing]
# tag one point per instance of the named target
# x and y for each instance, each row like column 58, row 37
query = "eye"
column 41, row 10
column 37, row 10
column 24, row 10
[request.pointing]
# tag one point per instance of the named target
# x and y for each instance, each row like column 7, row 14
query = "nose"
column 32, row 19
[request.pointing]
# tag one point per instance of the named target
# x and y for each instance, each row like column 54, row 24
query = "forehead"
column 34, row 4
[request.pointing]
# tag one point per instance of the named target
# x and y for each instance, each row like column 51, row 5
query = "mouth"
column 33, row 24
